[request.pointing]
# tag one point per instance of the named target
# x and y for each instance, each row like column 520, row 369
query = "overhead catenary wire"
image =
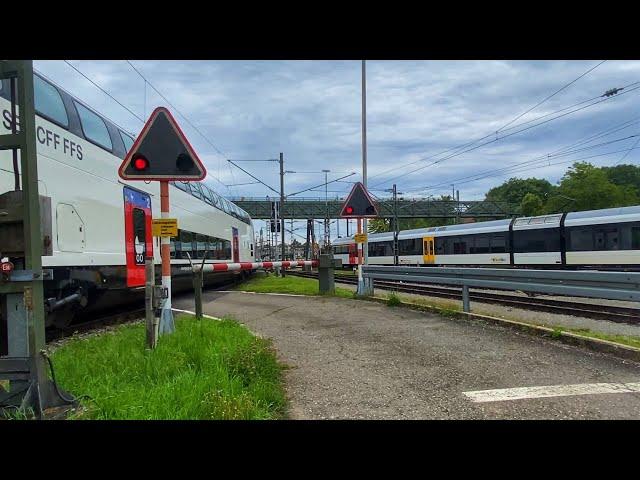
column 551, row 96
column 503, row 127
column 505, row 136
column 181, row 114
column 105, row 92
column 545, row 157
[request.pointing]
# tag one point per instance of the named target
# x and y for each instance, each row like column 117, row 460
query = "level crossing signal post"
column 162, row 153
column 359, row 205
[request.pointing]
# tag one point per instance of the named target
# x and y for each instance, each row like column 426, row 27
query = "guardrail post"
column 466, row 307
column 148, row 298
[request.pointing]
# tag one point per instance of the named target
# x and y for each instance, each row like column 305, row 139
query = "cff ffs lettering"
column 48, row 138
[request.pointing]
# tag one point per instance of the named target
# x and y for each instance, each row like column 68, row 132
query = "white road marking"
column 503, row 394
column 193, row 313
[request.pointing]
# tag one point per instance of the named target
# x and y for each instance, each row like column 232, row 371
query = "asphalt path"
column 355, row 359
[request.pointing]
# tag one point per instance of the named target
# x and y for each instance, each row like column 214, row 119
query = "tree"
column 532, row 205
column 624, row 175
column 378, row 225
column 585, row 187
column 515, row 189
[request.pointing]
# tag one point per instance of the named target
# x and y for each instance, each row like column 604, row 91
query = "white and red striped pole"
column 166, row 316
column 229, row 267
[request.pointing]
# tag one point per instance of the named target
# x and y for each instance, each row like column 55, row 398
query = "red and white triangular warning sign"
column 359, row 204
column 162, row 152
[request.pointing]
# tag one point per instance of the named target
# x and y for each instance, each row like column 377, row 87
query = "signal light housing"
column 140, row 163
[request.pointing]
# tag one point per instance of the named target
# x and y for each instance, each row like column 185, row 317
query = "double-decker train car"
column 607, row 239
column 99, row 225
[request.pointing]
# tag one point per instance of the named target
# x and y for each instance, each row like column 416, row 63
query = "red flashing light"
column 140, row 163
column 348, row 210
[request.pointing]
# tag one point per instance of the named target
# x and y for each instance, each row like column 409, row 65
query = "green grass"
column 393, row 300
column 629, row 340
column 288, row 284
column 205, row 370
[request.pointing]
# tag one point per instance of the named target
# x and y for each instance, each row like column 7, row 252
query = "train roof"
column 229, row 207
column 446, row 230
column 606, row 215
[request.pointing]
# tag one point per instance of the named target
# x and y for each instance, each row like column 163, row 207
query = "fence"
column 593, row 284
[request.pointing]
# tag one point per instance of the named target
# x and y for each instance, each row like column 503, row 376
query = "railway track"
column 580, row 309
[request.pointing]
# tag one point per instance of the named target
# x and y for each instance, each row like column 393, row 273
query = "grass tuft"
column 393, row 300
column 205, row 370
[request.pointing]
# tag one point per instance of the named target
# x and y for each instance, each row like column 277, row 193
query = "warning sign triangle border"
column 364, row 189
column 145, row 130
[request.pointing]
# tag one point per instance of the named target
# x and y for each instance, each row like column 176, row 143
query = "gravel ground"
column 352, row 359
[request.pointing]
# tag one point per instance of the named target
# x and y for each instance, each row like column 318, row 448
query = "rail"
column 593, row 284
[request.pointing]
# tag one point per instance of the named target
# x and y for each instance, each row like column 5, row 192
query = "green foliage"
column 393, row 300
column 585, row 187
column 532, row 205
column 514, row 190
column 624, row 175
column 378, row 225
column 205, row 370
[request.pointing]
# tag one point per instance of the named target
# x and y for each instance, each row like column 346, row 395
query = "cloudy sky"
column 311, row 111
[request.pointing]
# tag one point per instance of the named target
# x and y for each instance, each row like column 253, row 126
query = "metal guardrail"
column 592, row 284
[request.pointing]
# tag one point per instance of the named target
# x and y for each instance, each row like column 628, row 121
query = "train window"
column 409, row 246
column 448, row 245
column 139, row 234
column 542, row 240
column 581, row 239
column 440, row 245
column 201, row 245
column 183, row 186
column 93, row 127
column 195, row 191
column 460, row 246
column 186, row 243
column 48, row 101
column 480, row 244
column 606, row 239
column 635, row 238
column 208, row 195
column 498, row 243
column 127, row 140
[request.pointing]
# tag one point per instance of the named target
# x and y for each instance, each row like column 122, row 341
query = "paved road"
column 363, row 360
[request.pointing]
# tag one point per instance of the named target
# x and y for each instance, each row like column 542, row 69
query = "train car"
column 100, row 225
column 607, row 239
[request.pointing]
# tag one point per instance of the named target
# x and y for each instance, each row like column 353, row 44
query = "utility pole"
column 396, row 229
column 364, row 285
column 282, row 207
column 458, row 207
column 326, row 211
column 395, row 225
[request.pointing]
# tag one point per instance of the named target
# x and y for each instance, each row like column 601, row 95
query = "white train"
column 607, row 239
column 100, row 226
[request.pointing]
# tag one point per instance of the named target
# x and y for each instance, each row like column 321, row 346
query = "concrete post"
column 325, row 275
column 466, row 307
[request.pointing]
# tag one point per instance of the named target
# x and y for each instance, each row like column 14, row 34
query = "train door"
column 236, row 245
column 353, row 254
column 138, row 234
column 429, row 254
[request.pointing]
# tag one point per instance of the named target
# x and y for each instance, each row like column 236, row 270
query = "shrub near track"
column 205, row 370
